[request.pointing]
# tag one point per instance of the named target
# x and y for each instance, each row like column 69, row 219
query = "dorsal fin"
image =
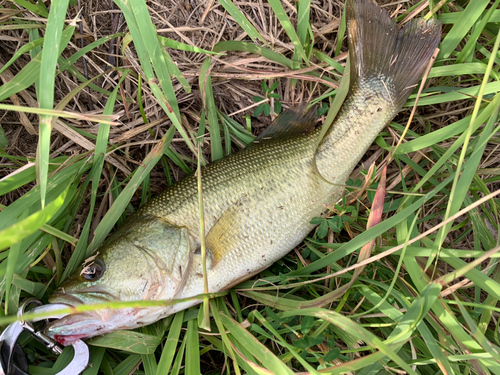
column 291, row 122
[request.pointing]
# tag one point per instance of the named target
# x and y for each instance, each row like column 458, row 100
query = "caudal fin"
column 380, row 52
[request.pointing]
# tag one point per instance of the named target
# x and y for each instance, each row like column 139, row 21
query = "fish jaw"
column 81, row 325
column 94, row 323
column 86, row 324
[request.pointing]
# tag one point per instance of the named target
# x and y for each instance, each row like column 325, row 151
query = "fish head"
column 137, row 263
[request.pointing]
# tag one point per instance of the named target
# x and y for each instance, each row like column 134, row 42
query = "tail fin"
column 379, row 50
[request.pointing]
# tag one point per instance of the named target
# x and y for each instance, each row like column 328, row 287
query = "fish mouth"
column 73, row 327
column 87, row 324
column 79, row 325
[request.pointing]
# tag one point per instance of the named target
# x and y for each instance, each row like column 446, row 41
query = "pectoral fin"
column 224, row 237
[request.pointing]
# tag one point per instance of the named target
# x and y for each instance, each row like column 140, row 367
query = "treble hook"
column 13, row 360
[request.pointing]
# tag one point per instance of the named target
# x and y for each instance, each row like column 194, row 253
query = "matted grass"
column 83, row 143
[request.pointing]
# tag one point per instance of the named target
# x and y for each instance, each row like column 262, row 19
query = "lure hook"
column 13, row 360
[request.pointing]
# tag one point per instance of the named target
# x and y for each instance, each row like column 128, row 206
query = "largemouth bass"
column 258, row 203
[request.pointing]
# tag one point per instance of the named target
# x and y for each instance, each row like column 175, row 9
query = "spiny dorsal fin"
column 291, row 122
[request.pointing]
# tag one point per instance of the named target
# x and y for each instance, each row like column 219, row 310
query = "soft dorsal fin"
column 291, row 122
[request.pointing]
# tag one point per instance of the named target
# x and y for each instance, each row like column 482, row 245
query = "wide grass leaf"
column 240, row 18
column 171, row 344
column 52, row 43
column 29, row 225
column 461, row 27
column 129, row 341
column 211, row 111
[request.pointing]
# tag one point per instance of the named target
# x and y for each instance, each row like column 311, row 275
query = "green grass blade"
column 24, row 79
column 25, row 48
column 31, row 72
column 456, row 94
column 453, row 17
column 208, row 99
column 31, row 200
column 192, row 348
column 462, row 182
column 253, row 48
column 175, row 71
column 224, row 336
column 171, row 344
column 447, row 319
column 12, row 182
column 262, row 353
column 153, row 47
column 354, row 329
column 241, row 20
column 67, row 63
column 281, row 341
column 176, row 367
column 442, row 134
column 128, row 365
column 37, row 9
column 12, row 258
column 491, row 349
column 59, row 234
column 435, row 349
column 236, row 129
column 149, row 51
column 322, row 57
column 80, row 251
column 170, row 43
column 280, row 13
column 367, row 236
column 22, row 229
column 129, row 341
column 462, row 26
column 478, row 29
column 461, row 69
column 303, row 15
column 341, row 33
column 4, row 142
column 96, row 356
column 48, row 63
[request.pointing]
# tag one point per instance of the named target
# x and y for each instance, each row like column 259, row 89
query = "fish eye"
column 93, row 271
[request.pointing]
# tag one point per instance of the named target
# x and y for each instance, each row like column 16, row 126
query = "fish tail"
column 382, row 53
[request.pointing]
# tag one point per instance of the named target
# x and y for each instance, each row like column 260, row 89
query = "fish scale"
column 258, row 203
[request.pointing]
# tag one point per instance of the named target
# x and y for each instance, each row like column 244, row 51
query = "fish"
column 259, row 202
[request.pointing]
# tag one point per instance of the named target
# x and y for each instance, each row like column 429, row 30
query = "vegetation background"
column 104, row 104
